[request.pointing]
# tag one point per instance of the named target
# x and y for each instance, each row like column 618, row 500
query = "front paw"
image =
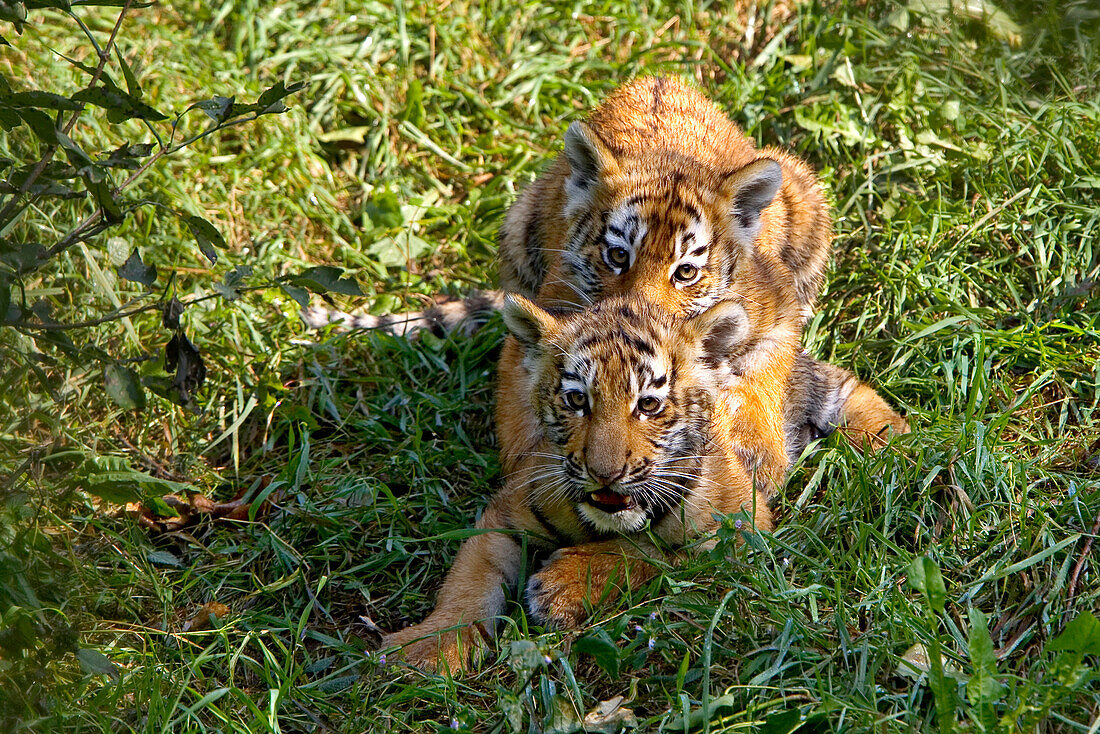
column 556, row 595
column 432, row 650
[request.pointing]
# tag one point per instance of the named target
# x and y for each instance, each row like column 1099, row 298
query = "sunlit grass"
column 962, row 168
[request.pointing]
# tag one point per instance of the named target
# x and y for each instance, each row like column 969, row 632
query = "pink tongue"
column 607, row 497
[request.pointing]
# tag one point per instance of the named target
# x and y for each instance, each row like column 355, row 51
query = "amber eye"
column 686, row 273
column 649, row 405
column 575, row 400
column 618, row 257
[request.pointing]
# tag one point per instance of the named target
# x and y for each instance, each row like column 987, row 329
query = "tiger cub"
column 659, row 193
column 634, row 420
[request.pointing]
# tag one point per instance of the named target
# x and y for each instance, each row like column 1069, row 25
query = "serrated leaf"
column 124, row 387
column 1082, row 636
column 93, row 662
column 120, row 105
column 206, row 235
column 925, row 577
column 238, row 275
column 325, row 278
column 112, row 479
column 603, row 650
column 164, row 558
column 136, row 270
column 983, row 689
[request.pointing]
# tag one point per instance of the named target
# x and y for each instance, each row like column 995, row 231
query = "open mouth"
column 610, row 501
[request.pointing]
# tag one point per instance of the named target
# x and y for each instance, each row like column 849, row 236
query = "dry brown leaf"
column 201, row 620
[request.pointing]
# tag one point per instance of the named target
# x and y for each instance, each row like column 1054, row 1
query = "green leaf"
column 398, row 251
column 325, row 278
column 132, row 85
column 925, row 577
column 93, row 662
column 41, row 100
column 207, row 237
column 781, row 723
column 15, row 13
column 384, row 210
column 112, row 479
column 105, row 197
column 124, row 387
column 41, row 124
column 216, row 108
column 136, row 270
column 524, row 657
column 414, row 104
column 300, row 295
column 271, row 100
column 1082, row 636
column 120, row 105
column 983, row 689
column 603, row 650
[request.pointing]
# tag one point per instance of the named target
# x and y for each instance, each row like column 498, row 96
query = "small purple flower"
column 652, row 643
column 786, row 562
column 637, row 628
column 738, row 523
column 454, row 723
column 382, row 659
column 546, row 659
column 653, row 615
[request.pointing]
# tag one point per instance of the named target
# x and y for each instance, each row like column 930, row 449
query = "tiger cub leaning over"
column 659, row 193
column 634, row 422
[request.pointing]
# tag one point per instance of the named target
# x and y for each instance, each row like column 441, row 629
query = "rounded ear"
column 528, row 323
column 720, row 330
column 752, row 189
column 590, row 162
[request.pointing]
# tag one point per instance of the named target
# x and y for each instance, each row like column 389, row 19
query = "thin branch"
column 104, row 54
column 123, row 313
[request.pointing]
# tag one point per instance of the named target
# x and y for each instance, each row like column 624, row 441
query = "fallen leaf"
column 201, row 620
column 189, row 510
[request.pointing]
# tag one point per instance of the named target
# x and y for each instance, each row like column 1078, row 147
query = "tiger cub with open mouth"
column 636, row 423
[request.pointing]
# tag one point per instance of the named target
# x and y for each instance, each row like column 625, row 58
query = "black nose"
column 608, row 479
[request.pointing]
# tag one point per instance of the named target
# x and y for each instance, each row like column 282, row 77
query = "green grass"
column 963, row 170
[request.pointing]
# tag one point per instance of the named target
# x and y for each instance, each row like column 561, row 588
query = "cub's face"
column 663, row 226
column 624, row 397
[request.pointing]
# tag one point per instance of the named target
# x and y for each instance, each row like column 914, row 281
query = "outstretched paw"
column 557, row 594
column 429, row 649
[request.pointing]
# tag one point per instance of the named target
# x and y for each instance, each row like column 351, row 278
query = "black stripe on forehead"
column 623, row 337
